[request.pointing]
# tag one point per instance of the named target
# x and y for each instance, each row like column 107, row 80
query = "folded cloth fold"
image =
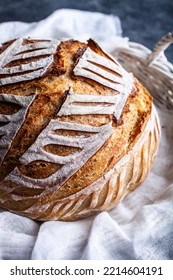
column 139, row 227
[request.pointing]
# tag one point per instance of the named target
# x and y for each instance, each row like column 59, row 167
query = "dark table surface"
column 143, row 21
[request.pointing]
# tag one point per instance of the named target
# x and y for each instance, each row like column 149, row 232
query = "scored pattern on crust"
column 39, row 53
column 107, row 72
column 76, row 104
column 87, row 146
column 105, row 192
column 123, row 178
column 12, row 123
column 70, row 163
column 36, row 59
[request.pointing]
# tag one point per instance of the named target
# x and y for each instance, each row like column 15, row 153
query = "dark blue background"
column 143, row 21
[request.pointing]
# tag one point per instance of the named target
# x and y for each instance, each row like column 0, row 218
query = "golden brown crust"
column 51, row 91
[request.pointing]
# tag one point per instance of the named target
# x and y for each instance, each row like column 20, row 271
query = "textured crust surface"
column 95, row 156
column 122, row 179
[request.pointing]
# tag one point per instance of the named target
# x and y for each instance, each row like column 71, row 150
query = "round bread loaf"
column 77, row 131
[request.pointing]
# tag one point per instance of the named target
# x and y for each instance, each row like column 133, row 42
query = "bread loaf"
column 77, row 131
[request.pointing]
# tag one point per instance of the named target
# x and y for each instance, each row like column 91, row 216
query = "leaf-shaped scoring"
column 106, row 104
column 88, row 145
column 71, row 163
column 106, row 71
column 14, row 121
column 35, row 68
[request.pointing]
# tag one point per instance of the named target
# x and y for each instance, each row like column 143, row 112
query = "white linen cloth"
column 139, row 227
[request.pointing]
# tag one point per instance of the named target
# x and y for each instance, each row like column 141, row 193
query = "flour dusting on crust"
column 71, row 163
column 12, row 123
column 39, row 53
column 25, row 60
column 107, row 72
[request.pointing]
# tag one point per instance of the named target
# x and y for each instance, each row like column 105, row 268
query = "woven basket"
column 151, row 68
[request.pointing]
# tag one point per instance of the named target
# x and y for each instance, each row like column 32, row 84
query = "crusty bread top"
column 68, row 113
